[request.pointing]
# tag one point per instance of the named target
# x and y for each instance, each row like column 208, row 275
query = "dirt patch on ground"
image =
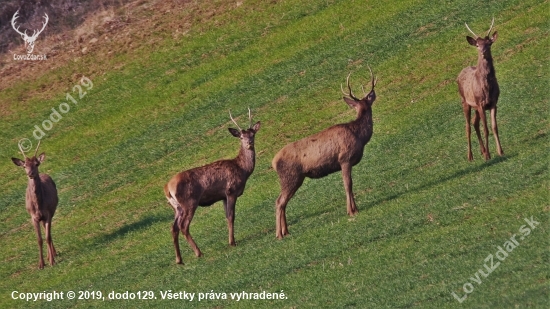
column 111, row 28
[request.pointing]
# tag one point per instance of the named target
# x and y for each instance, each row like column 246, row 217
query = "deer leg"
column 49, row 242
column 495, row 130
column 348, row 183
column 39, row 239
column 175, row 232
column 184, row 227
column 287, row 192
column 477, row 117
column 229, row 205
column 467, row 115
column 486, row 133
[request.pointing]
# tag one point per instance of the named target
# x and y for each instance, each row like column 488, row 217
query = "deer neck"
column 34, row 192
column 246, row 159
column 485, row 66
column 362, row 126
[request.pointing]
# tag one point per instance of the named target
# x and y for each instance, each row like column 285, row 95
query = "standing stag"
column 223, row 180
column 478, row 88
column 41, row 201
column 337, row 148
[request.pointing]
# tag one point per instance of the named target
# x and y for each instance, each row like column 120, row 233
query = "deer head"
column 29, row 40
column 368, row 98
column 483, row 44
column 246, row 136
column 30, row 164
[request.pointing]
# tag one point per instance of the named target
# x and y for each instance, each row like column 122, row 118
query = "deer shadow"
column 457, row 174
column 129, row 228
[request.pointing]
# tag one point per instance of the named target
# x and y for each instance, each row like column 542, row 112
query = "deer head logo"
column 29, row 40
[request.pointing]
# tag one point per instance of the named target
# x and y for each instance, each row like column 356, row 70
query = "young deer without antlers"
column 337, row 148
column 478, row 89
column 223, row 180
column 41, row 201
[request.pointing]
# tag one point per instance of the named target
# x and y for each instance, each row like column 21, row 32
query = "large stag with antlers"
column 223, row 180
column 479, row 90
column 29, row 40
column 337, row 148
column 41, row 201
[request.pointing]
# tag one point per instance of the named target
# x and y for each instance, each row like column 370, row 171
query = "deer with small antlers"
column 479, row 90
column 29, row 40
column 41, row 201
column 337, row 148
column 223, row 180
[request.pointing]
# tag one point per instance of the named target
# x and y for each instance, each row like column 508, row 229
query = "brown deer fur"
column 41, row 201
column 337, row 148
column 479, row 90
column 223, row 180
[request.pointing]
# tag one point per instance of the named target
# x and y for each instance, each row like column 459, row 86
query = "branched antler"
column 350, row 93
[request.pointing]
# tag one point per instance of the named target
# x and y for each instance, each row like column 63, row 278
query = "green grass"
column 428, row 218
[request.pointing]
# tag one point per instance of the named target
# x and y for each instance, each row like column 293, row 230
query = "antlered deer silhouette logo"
column 29, row 40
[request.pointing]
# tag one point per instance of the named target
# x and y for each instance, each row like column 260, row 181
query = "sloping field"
column 433, row 230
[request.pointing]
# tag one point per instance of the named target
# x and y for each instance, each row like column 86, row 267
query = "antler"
column 475, row 35
column 36, row 151
column 249, row 118
column 490, row 28
column 43, row 26
column 350, row 93
column 21, row 149
column 16, row 16
column 234, row 120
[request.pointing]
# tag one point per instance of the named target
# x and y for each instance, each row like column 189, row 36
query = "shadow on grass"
column 458, row 174
column 143, row 223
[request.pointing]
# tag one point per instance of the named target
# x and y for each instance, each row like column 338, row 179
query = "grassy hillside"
column 428, row 219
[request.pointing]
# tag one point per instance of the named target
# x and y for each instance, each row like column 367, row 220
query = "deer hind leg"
column 184, row 227
column 348, row 184
column 289, row 186
column 467, row 115
column 495, row 130
column 49, row 242
column 39, row 240
column 229, row 206
column 175, row 235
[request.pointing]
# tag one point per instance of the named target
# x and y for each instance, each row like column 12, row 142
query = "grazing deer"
column 478, row 89
column 29, row 40
column 41, row 200
column 337, row 148
column 223, row 180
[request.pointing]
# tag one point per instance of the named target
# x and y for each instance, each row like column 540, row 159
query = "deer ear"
column 17, row 162
column 471, row 40
column 494, row 38
column 351, row 102
column 256, row 127
column 42, row 157
column 234, row 132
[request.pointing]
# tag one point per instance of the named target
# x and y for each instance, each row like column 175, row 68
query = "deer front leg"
column 49, row 242
column 495, row 130
column 486, row 133
column 229, row 206
column 477, row 117
column 39, row 240
column 467, row 115
column 348, row 184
